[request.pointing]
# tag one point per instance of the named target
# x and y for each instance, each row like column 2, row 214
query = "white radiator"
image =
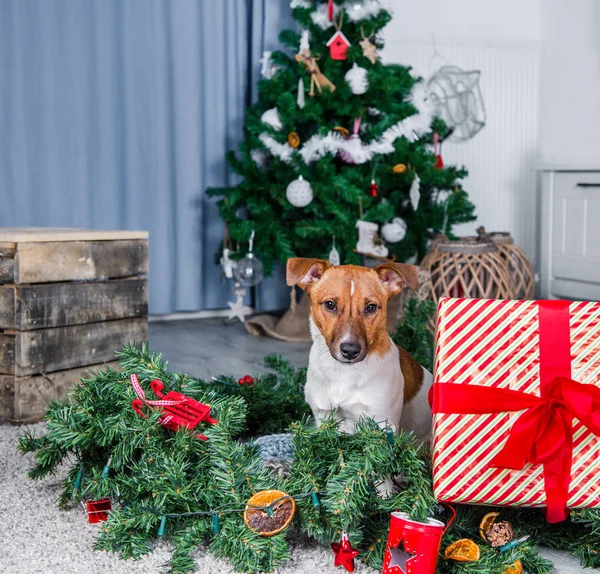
column 500, row 159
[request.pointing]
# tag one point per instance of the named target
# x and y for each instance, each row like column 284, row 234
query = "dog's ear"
column 395, row 276
column 305, row 272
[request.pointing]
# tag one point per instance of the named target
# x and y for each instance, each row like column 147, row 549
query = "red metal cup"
column 412, row 547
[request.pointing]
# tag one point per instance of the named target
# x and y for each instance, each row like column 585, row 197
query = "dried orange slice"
column 399, row 168
column 486, row 522
column 294, row 139
column 463, row 550
column 515, row 568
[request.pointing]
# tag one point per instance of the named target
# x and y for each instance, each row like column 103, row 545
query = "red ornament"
column 330, row 10
column 344, row 553
column 373, row 188
column 421, row 544
column 437, row 148
column 98, row 510
column 247, row 380
column 178, row 410
column 338, row 46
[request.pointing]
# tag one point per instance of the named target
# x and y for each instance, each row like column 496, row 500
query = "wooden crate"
column 68, row 299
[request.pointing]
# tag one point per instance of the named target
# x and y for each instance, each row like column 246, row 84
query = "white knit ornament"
column 356, row 77
column 271, row 118
column 394, row 231
column 415, row 192
column 299, row 192
column 300, row 101
column 334, row 256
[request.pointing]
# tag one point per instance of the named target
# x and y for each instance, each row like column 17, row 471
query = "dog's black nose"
column 350, row 350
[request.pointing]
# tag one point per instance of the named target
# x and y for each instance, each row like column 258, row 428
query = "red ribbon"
column 543, row 433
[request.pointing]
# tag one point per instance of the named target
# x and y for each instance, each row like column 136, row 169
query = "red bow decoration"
column 179, row 410
column 543, row 433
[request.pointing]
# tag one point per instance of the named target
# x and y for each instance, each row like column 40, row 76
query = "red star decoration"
column 344, row 553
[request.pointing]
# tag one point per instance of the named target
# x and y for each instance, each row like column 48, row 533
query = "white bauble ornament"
column 357, row 80
column 415, row 192
column 394, row 231
column 271, row 118
column 299, row 192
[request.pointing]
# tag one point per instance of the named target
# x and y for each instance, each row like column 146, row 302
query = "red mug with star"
column 412, row 547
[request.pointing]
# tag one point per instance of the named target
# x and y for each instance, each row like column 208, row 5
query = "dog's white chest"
column 372, row 387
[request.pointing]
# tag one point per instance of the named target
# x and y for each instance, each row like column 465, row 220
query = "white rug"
column 38, row 538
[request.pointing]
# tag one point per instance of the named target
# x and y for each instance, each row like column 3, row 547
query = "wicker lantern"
column 520, row 269
column 469, row 268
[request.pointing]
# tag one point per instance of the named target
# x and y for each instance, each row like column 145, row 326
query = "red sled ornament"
column 516, row 404
column 412, row 547
column 97, row 510
column 178, row 410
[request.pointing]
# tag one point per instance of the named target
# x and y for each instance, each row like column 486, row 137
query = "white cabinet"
column 570, row 235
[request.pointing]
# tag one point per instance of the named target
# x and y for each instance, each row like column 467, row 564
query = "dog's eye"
column 330, row 306
column 371, row 308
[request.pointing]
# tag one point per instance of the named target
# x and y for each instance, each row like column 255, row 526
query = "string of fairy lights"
column 223, row 509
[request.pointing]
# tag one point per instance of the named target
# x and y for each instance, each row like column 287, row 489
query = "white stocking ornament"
column 367, row 231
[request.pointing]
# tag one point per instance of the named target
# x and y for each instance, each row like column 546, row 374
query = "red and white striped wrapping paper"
column 495, row 343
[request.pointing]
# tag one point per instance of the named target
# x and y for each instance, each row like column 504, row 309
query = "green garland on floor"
column 193, row 491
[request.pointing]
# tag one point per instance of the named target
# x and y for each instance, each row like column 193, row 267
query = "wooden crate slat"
column 7, row 262
column 7, row 354
column 80, row 260
column 59, row 348
column 45, row 305
column 38, row 234
column 25, row 399
column 7, row 307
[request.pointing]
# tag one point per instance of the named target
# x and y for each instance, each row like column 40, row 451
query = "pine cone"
column 499, row 533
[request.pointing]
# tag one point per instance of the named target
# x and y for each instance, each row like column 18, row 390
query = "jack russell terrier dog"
column 354, row 367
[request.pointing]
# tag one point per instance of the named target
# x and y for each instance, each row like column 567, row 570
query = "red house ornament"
column 338, row 46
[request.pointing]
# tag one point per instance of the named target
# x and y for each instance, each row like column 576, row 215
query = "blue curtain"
column 117, row 114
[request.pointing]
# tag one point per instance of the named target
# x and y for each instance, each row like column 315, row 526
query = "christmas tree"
column 339, row 141
column 171, row 483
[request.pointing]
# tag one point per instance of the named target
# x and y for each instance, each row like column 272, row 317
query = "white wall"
column 570, row 83
column 502, row 39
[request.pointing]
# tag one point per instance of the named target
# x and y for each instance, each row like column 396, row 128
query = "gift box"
column 516, row 403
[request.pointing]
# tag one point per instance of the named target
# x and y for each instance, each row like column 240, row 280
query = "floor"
column 37, row 538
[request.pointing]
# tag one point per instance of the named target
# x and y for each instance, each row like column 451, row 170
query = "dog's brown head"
column 349, row 303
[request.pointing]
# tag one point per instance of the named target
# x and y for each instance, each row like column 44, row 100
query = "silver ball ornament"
column 248, row 271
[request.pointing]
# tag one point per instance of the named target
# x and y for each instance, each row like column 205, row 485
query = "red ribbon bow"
column 543, row 433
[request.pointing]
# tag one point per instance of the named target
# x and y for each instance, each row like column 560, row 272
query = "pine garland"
column 198, row 489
